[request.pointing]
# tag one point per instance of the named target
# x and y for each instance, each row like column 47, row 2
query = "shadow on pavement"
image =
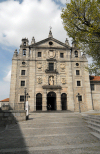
column 11, row 136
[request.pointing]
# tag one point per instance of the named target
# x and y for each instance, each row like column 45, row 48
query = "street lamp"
column 26, row 96
column 78, row 95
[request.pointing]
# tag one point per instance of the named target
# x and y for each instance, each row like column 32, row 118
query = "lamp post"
column 78, row 95
column 26, row 106
column 24, row 97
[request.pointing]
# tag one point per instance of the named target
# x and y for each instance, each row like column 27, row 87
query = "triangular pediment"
column 50, row 43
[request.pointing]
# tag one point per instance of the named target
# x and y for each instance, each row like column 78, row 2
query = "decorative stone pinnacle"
column 50, row 33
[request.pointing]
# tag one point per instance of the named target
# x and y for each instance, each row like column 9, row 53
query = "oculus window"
column 22, row 83
column 77, row 64
column 23, row 63
column 50, row 43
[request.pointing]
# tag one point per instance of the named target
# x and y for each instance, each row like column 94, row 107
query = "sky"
column 26, row 18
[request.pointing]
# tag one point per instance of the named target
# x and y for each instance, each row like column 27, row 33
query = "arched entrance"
column 64, row 101
column 51, row 99
column 39, row 101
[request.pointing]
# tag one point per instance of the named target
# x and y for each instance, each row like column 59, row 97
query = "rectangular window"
column 22, row 72
column 21, row 98
column 61, row 55
column 92, row 86
column 51, row 66
column 78, row 83
column 79, row 98
column 22, row 83
column 77, row 72
column 39, row 54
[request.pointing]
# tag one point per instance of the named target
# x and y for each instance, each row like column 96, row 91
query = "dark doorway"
column 51, row 99
column 38, row 101
column 64, row 101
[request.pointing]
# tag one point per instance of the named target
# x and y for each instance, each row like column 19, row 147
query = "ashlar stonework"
column 54, row 73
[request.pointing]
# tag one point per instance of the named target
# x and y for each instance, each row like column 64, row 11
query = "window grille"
column 61, row 55
column 77, row 72
column 51, row 66
column 39, row 54
column 79, row 98
column 22, row 83
column 23, row 72
column 21, row 98
column 78, row 83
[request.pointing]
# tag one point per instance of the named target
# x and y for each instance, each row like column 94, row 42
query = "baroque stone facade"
column 53, row 73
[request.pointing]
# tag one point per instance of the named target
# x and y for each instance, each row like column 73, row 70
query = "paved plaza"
column 49, row 132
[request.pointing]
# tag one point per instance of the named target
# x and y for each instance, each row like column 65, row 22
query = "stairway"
column 93, row 122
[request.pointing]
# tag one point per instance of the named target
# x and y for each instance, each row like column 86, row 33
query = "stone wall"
column 12, row 106
column 11, row 116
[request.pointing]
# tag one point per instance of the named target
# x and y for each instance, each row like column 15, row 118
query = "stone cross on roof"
column 50, row 33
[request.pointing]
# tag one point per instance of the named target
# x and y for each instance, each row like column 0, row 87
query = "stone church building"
column 51, row 72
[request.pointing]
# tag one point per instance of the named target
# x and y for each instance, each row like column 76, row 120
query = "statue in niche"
column 51, row 80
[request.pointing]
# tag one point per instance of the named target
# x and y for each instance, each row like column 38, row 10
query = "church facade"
column 51, row 72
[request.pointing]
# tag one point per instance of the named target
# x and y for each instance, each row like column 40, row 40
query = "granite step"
column 93, row 124
column 97, row 130
column 92, row 117
column 96, row 135
column 92, row 120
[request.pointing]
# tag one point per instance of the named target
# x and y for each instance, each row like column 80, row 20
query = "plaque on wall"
column 39, row 65
column 51, row 53
column 39, row 80
column 62, row 66
column 63, row 80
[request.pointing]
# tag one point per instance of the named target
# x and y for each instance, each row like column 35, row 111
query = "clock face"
column 51, row 54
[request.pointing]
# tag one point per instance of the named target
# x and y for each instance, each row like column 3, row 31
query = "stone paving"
column 46, row 133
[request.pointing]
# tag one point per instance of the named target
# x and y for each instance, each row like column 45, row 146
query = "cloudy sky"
column 25, row 18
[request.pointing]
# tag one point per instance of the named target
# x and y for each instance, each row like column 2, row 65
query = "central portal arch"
column 51, row 99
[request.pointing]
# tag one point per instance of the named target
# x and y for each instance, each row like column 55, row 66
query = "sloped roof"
column 50, row 39
column 94, row 78
column 5, row 100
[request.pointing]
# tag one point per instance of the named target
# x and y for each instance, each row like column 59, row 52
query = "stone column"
column 58, row 100
column 44, row 101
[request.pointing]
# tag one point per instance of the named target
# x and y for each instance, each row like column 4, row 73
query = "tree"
column 81, row 19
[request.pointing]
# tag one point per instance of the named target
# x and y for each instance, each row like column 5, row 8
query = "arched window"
column 24, row 43
column 76, row 53
column 24, row 52
column 39, row 101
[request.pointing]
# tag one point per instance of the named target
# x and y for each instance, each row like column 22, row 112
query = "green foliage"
column 81, row 19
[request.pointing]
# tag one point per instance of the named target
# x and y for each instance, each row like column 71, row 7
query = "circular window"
column 50, row 43
column 77, row 64
column 23, row 63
